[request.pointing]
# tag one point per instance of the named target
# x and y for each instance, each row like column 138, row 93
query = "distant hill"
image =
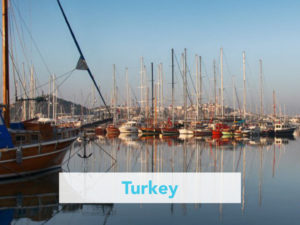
column 63, row 107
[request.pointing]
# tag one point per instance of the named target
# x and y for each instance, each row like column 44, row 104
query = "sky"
column 120, row 32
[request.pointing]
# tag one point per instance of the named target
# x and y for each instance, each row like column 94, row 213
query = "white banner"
column 150, row 187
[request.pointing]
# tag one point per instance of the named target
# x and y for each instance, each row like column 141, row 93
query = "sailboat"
column 170, row 129
column 27, row 147
column 130, row 126
column 112, row 129
column 185, row 130
column 152, row 128
column 30, row 147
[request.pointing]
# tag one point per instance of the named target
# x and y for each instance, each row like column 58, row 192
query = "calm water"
column 270, row 171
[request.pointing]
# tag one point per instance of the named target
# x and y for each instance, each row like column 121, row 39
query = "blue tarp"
column 5, row 138
column 17, row 126
column 6, row 216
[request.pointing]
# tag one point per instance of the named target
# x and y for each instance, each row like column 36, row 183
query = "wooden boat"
column 169, row 131
column 36, row 148
column 31, row 146
column 238, row 133
column 112, row 130
column 100, row 131
column 150, row 130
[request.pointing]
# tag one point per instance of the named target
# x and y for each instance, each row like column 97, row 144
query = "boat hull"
column 100, row 131
column 33, row 158
column 284, row 132
column 200, row 132
column 227, row 133
column 128, row 130
column 217, row 133
column 111, row 130
column 150, row 131
column 186, row 131
column 270, row 133
column 169, row 131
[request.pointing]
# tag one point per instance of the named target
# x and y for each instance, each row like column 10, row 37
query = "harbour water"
column 269, row 168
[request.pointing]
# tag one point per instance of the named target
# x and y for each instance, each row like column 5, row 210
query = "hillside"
column 63, row 107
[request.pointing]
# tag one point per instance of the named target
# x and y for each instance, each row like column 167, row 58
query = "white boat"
column 185, row 136
column 185, row 131
column 283, row 128
column 266, row 128
column 129, row 127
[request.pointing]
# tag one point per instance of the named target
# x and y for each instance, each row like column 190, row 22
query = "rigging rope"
column 189, row 96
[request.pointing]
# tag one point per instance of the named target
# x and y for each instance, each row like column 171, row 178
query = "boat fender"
column 19, row 155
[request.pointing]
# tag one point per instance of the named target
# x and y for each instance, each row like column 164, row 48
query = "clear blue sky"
column 120, row 32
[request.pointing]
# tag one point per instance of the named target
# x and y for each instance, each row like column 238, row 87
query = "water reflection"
column 269, row 167
column 35, row 199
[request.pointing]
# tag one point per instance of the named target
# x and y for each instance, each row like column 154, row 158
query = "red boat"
column 100, row 131
column 218, row 128
column 169, row 131
column 112, row 129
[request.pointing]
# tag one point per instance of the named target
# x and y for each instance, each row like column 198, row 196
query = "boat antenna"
column 82, row 62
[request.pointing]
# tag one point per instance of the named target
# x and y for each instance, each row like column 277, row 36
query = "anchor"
column 84, row 156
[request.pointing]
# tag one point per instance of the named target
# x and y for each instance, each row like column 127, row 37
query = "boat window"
column 20, row 138
column 34, row 138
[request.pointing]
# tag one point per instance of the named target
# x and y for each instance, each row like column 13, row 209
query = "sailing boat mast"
column 24, row 95
column 222, row 88
column 114, row 93
column 215, row 87
column 152, row 97
column 161, row 91
column 244, row 78
column 49, row 99
column 157, row 89
column 32, row 94
column 142, row 84
column 274, row 104
column 261, row 89
column 173, row 116
column 197, row 87
column 5, row 64
column 233, row 97
column 185, row 88
column 200, row 79
column 127, row 84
